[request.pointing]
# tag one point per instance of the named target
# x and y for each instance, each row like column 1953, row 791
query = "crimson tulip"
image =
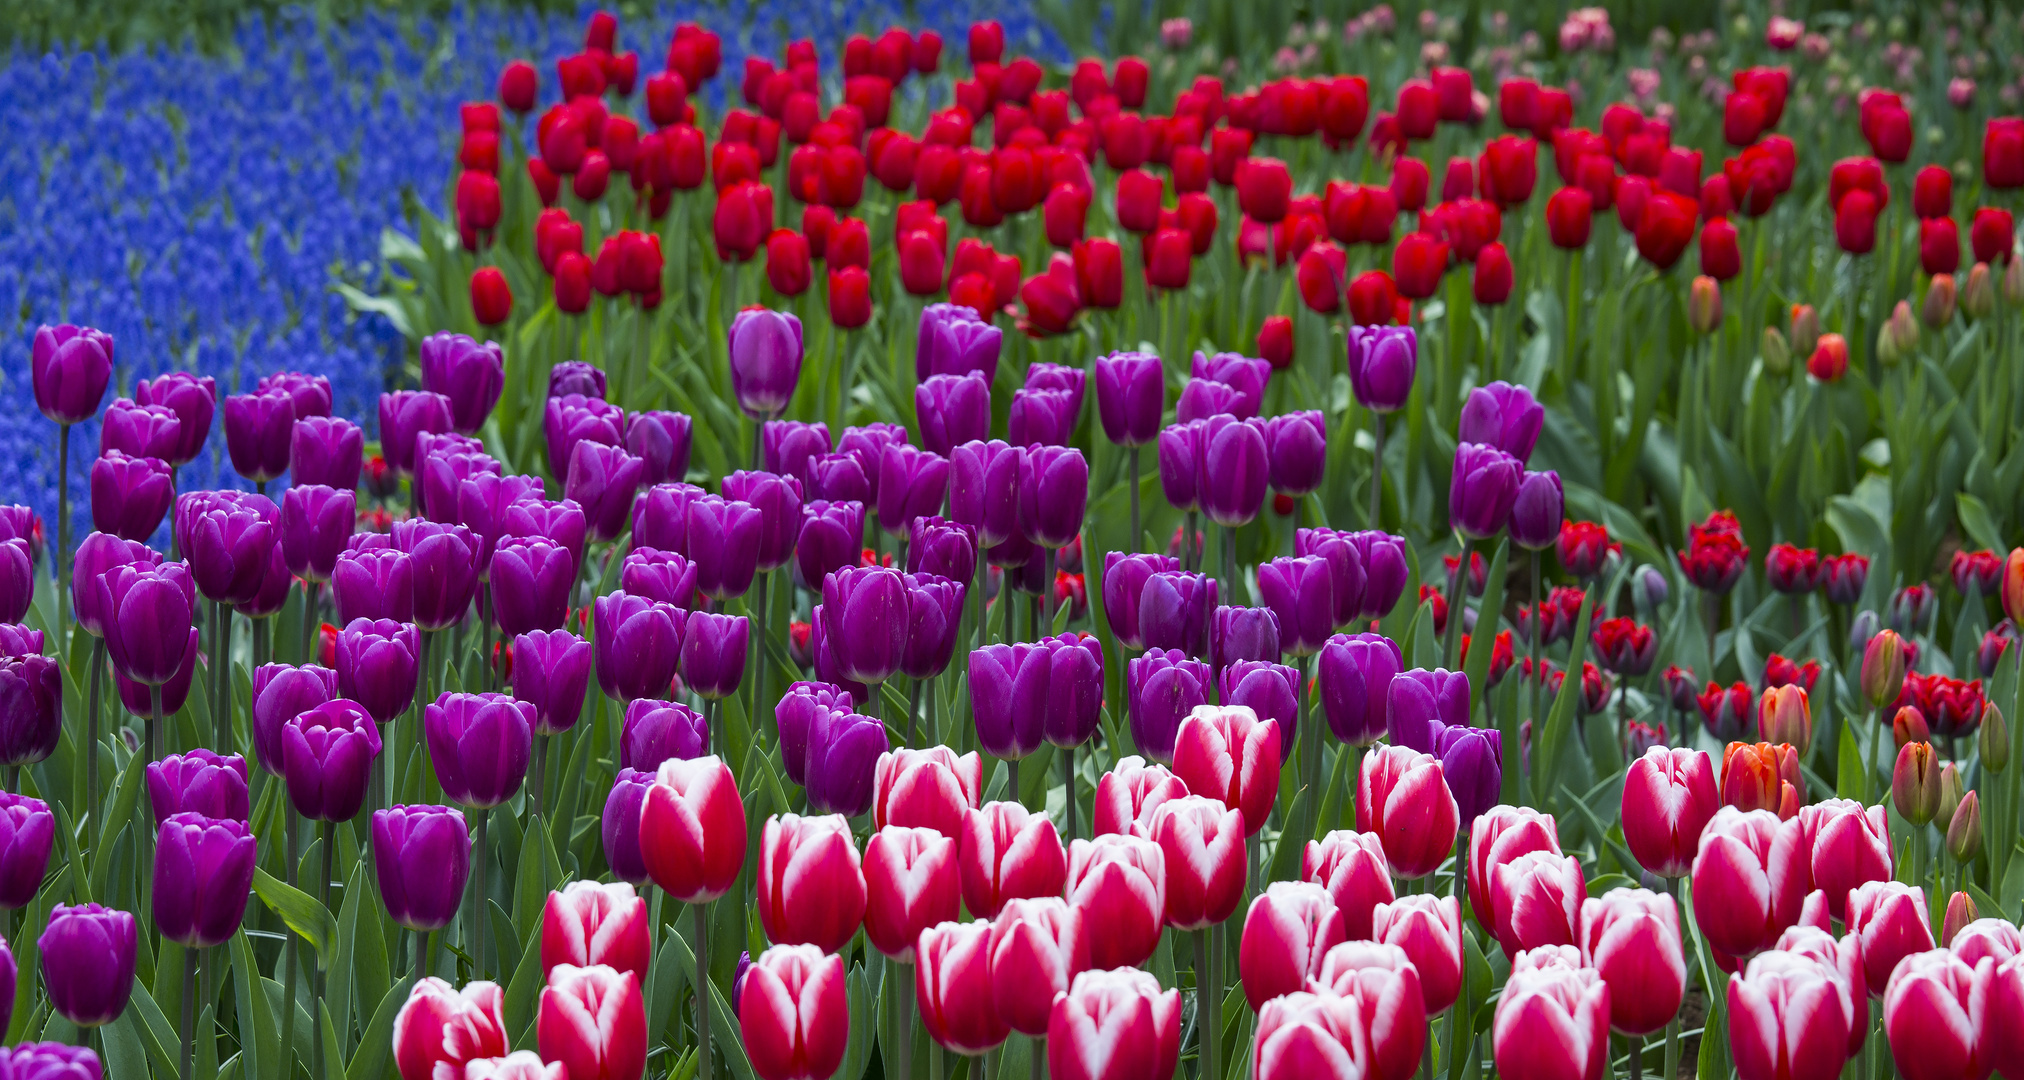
column 1118, row 883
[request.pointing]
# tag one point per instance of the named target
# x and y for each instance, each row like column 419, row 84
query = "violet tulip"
column 198, row 781
column 912, row 483
column 984, row 488
column 940, row 547
column 1231, row 469
column 603, row 480
column 954, row 341
column 788, row 447
column 1296, row 450
column 778, row 500
column 619, row 827
column 935, row 613
column 280, row 694
column 88, row 962
column 953, row 410
column 444, row 568
column 257, row 430
column 1353, row 680
column 1174, row 611
column 1124, row 581
column 1503, row 416
column 145, row 431
column 148, row 610
column 573, row 419
column 471, row 374
column 1130, row 395
column 1300, row 592
column 377, row 666
column 841, row 760
column 480, row 745
column 532, row 578
column 550, row 673
column 866, row 615
column 327, row 757
column 203, row 876
column 1382, row 362
column 373, row 584
column 69, row 368
column 713, row 653
column 194, row 400
column 27, row 832
column 326, row 450
column 315, row 522
column 659, row 575
column 405, row 414
column 1239, row 633
column 831, row 538
column 636, row 642
column 130, row 495
column 423, row 858
column 723, row 543
column 1268, row 689
column 765, row 350
column 654, row 731
column 97, row 555
column 1421, row 704
column 1483, row 488
column 228, row 543
column 1538, row 510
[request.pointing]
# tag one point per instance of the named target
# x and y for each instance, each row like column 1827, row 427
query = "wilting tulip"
column 440, row 1026
column 1231, row 754
column 1290, row 928
column 793, row 1007
column 423, row 858
column 692, row 829
column 1429, row 929
column 88, row 962
column 926, row 788
column 1403, row 798
column 1007, row 853
column 1933, row 1015
column 1119, row 884
column 593, row 1020
column 1669, row 796
column 811, row 890
column 953, row 987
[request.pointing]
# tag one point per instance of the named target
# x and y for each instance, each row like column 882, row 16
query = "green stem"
column 221, row 658
column 1132, row 459
column 189, row 1000
column 481, row 856
column 62, row 559
column 703, row 1063
column 1377, row 470
column 323, row 897
column 91, row 745
column 291, row 829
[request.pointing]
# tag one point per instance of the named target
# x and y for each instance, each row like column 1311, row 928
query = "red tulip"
column 1829, row 361
column 1748, row 883
column 1309, row 1036
column 1537, row 898
column 1631, row 194
column 1491, row 284
column 592, row 177
column 1114, row 1025
column 1289, row 929
column 1064, row 214
column 1939, row 246
column 491, row 299
column 1846, row 846
column 1933, row 1014
column 1742, row 118
column 930, row 788
column 1501, row 835
column 1228, row 149
column 1232, row 755
column 1552, row 1024
column 1264, row 188
column 911, row 884
column 692, row 829
column 1202, row 842
column 1568, row 216
column 1037, row 949
column 572, row 283
column 519, row 84
column 1320, row 277
column 1459, row 182
column 1373, row 298
column 1275, row 341
column 1429, row 929
column 594, row 1021
column 1933, row 192
column 1403, row 798
column 1417, row 265
column 1409, row 182
column 794, row 1013
column 1664, row 228
column 810, row 886
column 1720, row 257
column 743, row 220
column 1391, row 1014
column 587, row 924
column 1351, row 866
column 1887, row 126
column 1168, row 259
column 1991, row 235
column 1790, row 1019
column 1130, row 794
column 787, row 267
column 1118, row 883
column 1669, row 796
column 953, row 987
column 1008, row 853
column 1418, row 109
column 1889, row 922
column 439, row 1025
column 1855, row 223
column 1099, row 272
column 1510, row 169
column 2003, row 152
column 921, row 264
column 1632, row 938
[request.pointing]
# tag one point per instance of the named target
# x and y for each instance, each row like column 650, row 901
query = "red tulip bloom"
column 1345, row 106
column 1665, row 227
column 491, row 299
column 849, row 297
column 1168, row 257
column 1518, row 103
column 1632, row 194
column 1051, row 304
column 1754, row 180
column 743, row 220
column 1264, row 188
column 1720, row 257
column 2003, row 152
column 1409, row 182
column 921, row 263
column 1742, row 118
column 1857, row 174
column 1855, row 223
column 1510, row 169
column 1275, row 341
column 1099, row 272
column 1459, row 182
column 1373, row 298
column 1933, row 192
column 1939, row 245
column 787, row 267
column 1418, row 109
column 519, row 85
column 1492, row 282
column 1065, row 213
column 1829, row 361
column 1139, row 195
column 1716, row 200
column 1992, row 235
column 546, row 183
column 1568, row 216
column 1228, row 148
column 1417, row 265
column 1320, row 276
column 1887, row 126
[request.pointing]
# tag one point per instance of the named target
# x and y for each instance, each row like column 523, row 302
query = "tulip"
column 1118, row 883
column 1311, row 1035
column 1421, row 704
column 911, row 484
column 593, row 1020
column 1130, row 795
column 713, row 653
column 1041, row 416
column 984, row 489
column 27, row 831
column 1484, row 488
column 636, row 642
column 1429, row 929
column 480, row 745
column 1114, row 1024
column 1291, row 926
column 1037, row 949
column 910, row 885
column 203, row 877
column 954, row 409
column 445, row 570
column 953, row 340
column 441, row 1026
column 193, row 399
column 953, row 986
column 766, row 352
column 1745, row 871
column 692, row 829
column 1552, row 1023
column 656, row 731
column 1915, row 783
column 1231, row 469
column 1352, row 867
column 1933, row 1016
column 1232, row 755
column 373, row 584
column 1402, row 797
column 69, row 369
column 88, row 962
column 939, row 547
column 926, row 788
column 1762, row 776
column 327, row 754
column 423, row 858
column 1173, row 611
column 1888, row 921
column 1390, row 1018
column 793, row 1009
column 1669, row 796
column 1007, row 854
column 1202, row 842
column 1537, row 899
column 1632, row 937
column 830, row 538
column 200, row 782
column 811, row 888
column 257, row 430
column 376, row 666
column 229, row 544
column 1353, row 678
column 1130, row 394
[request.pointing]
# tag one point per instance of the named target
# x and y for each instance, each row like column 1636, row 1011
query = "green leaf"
column 1477, row 665
column 370, row 1061
column 338, row 991
column 262, row 1052
column 162, row 1037
column 525, row 987
column 1286, row 851
column 723, row 1024
column 1331, row 804
column 1562, row 713
column 1977, row 522
column 118, row 809
column 333, row 1058
column 1603, row 883
column 863, row 1025
column 1851, row 776
column 125, row 1055
column 300, row 911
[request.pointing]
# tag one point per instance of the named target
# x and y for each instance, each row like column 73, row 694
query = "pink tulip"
column 1120, row 885
column 1551, row 958
column 794, row 1013
column 1935, row 1014
column 1307, row 1036
column 1229, row 753
column 1840, row 958
column 929, row 788
column 1429, row 929
column 1008, row 852
column 1888, row 920
column 1129, row 793
column 594, row 1021
column 1037, row 950
column 1386, row 988
column 1403, row 798
column 1552, row 1024
column 1203, row 844
column 2004, row 1021
column 1114, row 1025
column 810, row 884
column 1669, row 795
column 1538, row 898
column 1748, row 881
column 1995, row 938
column 588, row 924
column 692, row 829
column 519, row 1065
column 1632, row 936
column 1500, row 835
column 952, row 985
column 439, row 1024
column 1351, row 866
column 1789, row 1019
column 1289, row 929
column 1846, row 846
column 910, row 884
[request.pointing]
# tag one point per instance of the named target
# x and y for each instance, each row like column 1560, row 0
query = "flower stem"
column 189, row 996
column 703, row 1063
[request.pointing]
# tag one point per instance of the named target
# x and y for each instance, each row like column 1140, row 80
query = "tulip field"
column 1150, row 541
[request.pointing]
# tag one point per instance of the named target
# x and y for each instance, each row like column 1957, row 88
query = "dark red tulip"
column 787, row 267
column 1169, row 254
column 491, row 300
column 1228, row 147
column 1099, row 272
column 1453, row 91
column 1492, row 282
column 849, row 297
column 2003, row 152
column 1418, row 263
column 1418, row 109
column 1857, row 174
column 1886, row 125
column 1855, row 223
column 1665, row 228
column 1992, row 235
column 744, row 218
column 519, row 85
column 1197, row 214
column 1568, row 216
column 1510, row 170
column 921, row 263
column 1742, row 118
column 572, row 282
column 1264, row 188
column 1933, row 192
column 1409, row 182
column 1373, row 298
column 1459, row 181
column 1720, row 257
column 1139, row 195
column 1518, row 103
column 1321, row 275
column 1939, row 245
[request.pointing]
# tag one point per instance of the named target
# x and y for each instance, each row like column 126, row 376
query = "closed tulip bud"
column 1632, row 938
column 70, row 368
column 88, row 962
column 1978, row 292
column 327, row 757
column 1037, row 950
column 1289, row 930
column 142, row 431
column 1994, row 739
column 1402, row 796
column 911, row 884
column 926, row 788
column 953, row 340
column 1484, row 487
column 1118, row 883
column 713, row 653
column 27, row 831
column 1915, row 783
column 1776, row 352
column 423, row 858
column 1130, row 393
column 811, row 888
column 1883, row 659
column 1429, row 929
column 1231, row 754
column 593, row 1020
column 1762, row 776
column 1704, row 300
column 1964, row 829
column 953, row 987
column 1783, row 716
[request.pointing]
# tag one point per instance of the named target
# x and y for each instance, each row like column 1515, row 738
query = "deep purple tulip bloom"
column 659, row 575
column 1124, row 581
column 1041, row 417
column 655, row 731
column 832, row 535
column 428, row 444
column 130, row 495
column 1242, row 633
column 561, row 521
column 942, row 547
column 1074, row 688
column 373, row 583
column 228, row 544
column 1131, row 392
column 1482, row 489
column 482, row 502
column 1538, row 510
column 315, row 522
column 867, row 616
column 531, row 582
column 148, row 610
column 326, row 755
column 1231, row 469
column 661, row 441
column 480, row 745
column 551, row 670
column 788, row 447
column 1161, row 689
column 576, row 377
column 88, row 962
column 1027, row 573
column 1472, row 761
column 52, row 1061
column 257, row 432
column 954, row 341
column 97, row 555
column 1179, row 453
column 27, row 831
column 1270, row 690
column 839, row 477
column 203, row 878
column 147, row 431
column 310, row 393
column 31, row 708
column 765, row 349
column 637, row 642
column 1382, row 360
column 620, row 829
column 984, row 488
column 572, row 419
column 795, row 714
column 445, row 569
column 1174, row 610
column 18, row 640
column 198, row 782
column 1203, row 398
column 1353, row 678
column 827, row 667
column 1296, row 446
column 272, row 595
column 1301, row 592
column 1045, row 376
column 70, row 367
column 1420, row 704
column 603, row 480
column 326, row 450
column 423, row 855
column 471, row 374
column 194, row 400
column 723, row 544
column 842, row 757
column 1244, row 374
column 713, row 653
column 139, row 697
column 911, row 484
column 280, row 694
column 953, row 410
column 21, row 523
column 404, row 414
column 935, row 613
column 377, row 666
column 778, row 500
column 1504, row 416
column 1345, row 568
column 1384, row 569
column 866, row 445
column 1053, row 492
column 1008, row 697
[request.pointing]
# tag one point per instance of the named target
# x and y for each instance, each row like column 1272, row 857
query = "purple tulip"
column 531, row 582
column 562, row 521
column 1472, row 762
column 1053, row 492
column 70, row 367
column 1353, row 679
column 145, row 431
column 1024, row 565
column 88, row 962
column 1296, row 445
column 1243, row 633
column 551, row 670
column 1041, row 417
column 659, row 575
column 842, row 756
column 1203, row 398
column 911, row 484
column 17, row 579
column 795, row 715
column 954, row 341
column 1008, row 697
column 572, row 419
column 723, row 544
column 130, row 495
column 866, row 445
column 1161, row 689
column 637, row 642
column 1504, row 416
column 326, row 450
column 52, row 1061
column 138, row 698
column 1420, row 704
column 373, row 584
column 788, row 447
column 482, row 502
column 27, row 832
column 228, row 544
column 1301, row 592
column 194, row 400
column 778, row 500
column 404, row 414
column 765, row 350
column 280, row 694
column 203, row 878
column 315, row 522
column 445, row 569
column 576, row 377
column 831, row 537
column 274, row 585
column 661, row 441
column 935, row 613
column 480, row 745
column 22, row 523
column 423, row 858
column 839, row 477
column 1174, row 609
column 1482, row 489
column 258, row 427
column 984, row 488
column 660, row 516
column 326, row 755
column 1131, row 392
column 198, row 782
column 713, row 653
column 470, row 373
column 1384, row 569
column 827, row 667
column 1537, row 511
column 98, row 554
column 148, row 610
column 377, row 666
column 656, row 731
column 1270, row 690
column 310, row 393
column 31, row 708
column 603, row 480
column 1382, row 360
column 18, row 640
column 620, row 829
column 1180, row 448
column 1244, row 374
column 942, row 547
column 1074, row 688
column 866, row 615
column 1345, row 568
column 954, row 409
column 1124, row 581
column 1231, row 470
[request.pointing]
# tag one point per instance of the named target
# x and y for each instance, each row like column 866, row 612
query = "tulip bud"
column 1899, row 334
column 1938, row 310
column 1960, row 912
column 1805, row 329
column 88, row 962
column 1704, row 304
column 1964, row 830
column 1995, row 739
column 1883, row 663
column 1776, row 352
column 1783, row 716
column 2013, row 283
column 593, row 1020
column 1915, row 783
column 1978, row 293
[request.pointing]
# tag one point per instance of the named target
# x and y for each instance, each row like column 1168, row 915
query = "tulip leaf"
column 118, row 808
column 300, row 911
column 26, row 950
column 1977, row 522
column 2013, row 881
column 125, row 1054
column 1547, row 760
column 530, row 885
column 1286, row 851
column 1489, row 614
column 157, row 1033
column 664, row 987
column 1851, row 775
column 561, row 812
column 338, row 991
column 1603, row 883
column 522, row 991
column 333, row 1058
column 262, row 1051
column 1331, row 805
